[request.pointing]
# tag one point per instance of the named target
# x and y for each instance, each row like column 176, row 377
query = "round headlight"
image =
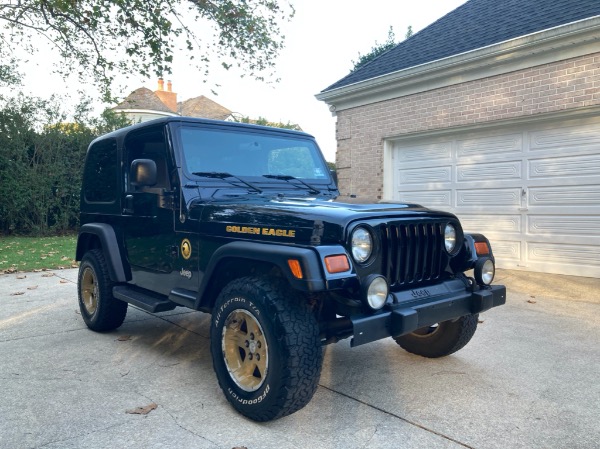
column 362, row 244
column 377, row 292
column 484, row 271
column 450, row 237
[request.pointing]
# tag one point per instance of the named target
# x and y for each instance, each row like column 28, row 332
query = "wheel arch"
column 102, row 236
column 239, row 259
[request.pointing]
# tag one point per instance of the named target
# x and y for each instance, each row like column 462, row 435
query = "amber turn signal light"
column 482, row 248
column 337, row 264
column 295, row 268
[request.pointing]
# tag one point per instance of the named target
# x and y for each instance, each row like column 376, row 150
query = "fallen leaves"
column 17, row 293
column 26, row 254
column 142, row 410
column 124, row 338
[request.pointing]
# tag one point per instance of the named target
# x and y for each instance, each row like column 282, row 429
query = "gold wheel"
column 89, row 291
column 245, row 350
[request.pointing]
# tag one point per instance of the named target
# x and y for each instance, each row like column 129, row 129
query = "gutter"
column 554, row 44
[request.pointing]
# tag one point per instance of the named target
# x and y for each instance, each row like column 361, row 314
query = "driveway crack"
column 182, row 427
column 104, row 429
column 408, row 421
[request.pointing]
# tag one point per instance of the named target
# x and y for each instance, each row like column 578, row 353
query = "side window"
column 148, row 145
column 100, row 173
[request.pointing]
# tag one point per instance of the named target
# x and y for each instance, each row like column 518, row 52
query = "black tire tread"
column 111, row 312
column 297, row 325
column 452, row 337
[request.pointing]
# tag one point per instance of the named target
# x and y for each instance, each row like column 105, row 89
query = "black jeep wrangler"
column 241, row 222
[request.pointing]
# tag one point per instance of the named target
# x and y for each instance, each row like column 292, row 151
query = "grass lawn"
column 37, row 253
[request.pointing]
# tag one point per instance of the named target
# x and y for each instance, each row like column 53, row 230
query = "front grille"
column 413, row 252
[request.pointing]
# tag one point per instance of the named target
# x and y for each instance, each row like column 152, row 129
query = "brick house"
column 492, row 113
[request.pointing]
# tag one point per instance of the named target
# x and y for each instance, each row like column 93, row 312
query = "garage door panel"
column 582, row 255
column 488, row 172
column 423, row 176
column 566, row 139
column 564, row 167
column 492, row 198
column 495, row 223
column 565, row 226
column 506, row 252
column 564, row 196
column 490, row 146
column 428, row 198
column 432, row 151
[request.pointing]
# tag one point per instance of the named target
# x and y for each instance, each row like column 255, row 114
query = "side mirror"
column 143, row 173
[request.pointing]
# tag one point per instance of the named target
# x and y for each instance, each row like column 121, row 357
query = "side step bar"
column 148, row 301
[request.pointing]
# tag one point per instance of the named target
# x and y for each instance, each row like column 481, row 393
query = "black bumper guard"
column 414, row 309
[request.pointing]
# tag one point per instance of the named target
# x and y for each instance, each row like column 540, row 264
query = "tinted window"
column 100, row 174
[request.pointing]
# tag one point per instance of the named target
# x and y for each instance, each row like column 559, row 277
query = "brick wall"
column 568, row 84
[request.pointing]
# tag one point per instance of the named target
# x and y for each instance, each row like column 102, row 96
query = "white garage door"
column 533, row 190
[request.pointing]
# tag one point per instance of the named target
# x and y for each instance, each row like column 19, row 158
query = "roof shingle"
column 476, row 24
column 203, row 107
column 143, row 98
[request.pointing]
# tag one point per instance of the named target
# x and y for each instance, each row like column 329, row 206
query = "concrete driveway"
column 530, row 378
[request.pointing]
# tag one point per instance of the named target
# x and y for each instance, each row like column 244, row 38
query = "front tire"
column 441, row 339
column 99, row 309
column 265, row 347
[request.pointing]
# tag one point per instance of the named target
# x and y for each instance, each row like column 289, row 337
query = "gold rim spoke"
column 89, row 291
column 245, row 350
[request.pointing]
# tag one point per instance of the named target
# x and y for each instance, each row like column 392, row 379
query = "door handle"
column 128, row 208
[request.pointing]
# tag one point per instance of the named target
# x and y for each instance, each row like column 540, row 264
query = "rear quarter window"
column 100, row 175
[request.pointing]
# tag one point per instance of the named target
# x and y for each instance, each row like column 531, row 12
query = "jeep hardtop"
column 241, row 221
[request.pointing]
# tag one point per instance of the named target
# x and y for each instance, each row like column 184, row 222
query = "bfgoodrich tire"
column 442, row 339
column 99, row 309
column 265, row 348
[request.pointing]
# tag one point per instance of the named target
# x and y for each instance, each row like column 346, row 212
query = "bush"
column 41, row 159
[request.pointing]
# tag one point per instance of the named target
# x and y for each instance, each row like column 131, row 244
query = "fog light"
column 375, row 292
column 484, row 271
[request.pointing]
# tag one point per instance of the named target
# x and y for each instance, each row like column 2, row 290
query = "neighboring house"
column 143, row 104
column 492, row 113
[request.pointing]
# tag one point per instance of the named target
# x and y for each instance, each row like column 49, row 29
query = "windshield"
column 250, row 154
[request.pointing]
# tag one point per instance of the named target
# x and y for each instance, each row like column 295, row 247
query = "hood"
column 301, row 221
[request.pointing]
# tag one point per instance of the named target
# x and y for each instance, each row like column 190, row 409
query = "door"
column 149, row 211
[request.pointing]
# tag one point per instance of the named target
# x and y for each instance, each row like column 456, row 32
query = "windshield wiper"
column 224, row 176
column 289, row 178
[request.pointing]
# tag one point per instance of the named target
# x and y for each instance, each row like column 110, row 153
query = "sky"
column 322, row 40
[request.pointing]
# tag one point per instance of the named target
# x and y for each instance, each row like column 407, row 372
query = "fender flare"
column 312, row 279
column 110, row 247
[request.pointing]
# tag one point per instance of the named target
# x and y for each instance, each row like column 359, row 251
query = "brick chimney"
column 168, row 97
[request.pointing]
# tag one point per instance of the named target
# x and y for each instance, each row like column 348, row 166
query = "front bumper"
column 414, row 309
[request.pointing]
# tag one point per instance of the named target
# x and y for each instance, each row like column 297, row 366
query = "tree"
column 264, row 122
column 102, row 38
column 379, row 49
